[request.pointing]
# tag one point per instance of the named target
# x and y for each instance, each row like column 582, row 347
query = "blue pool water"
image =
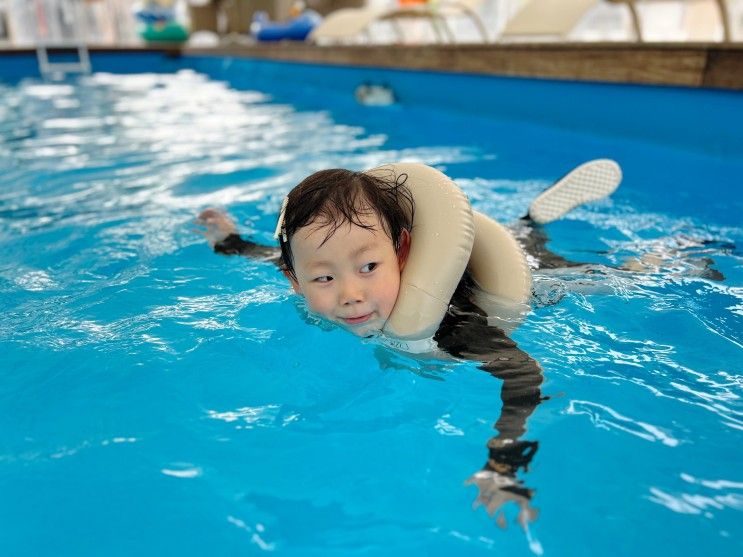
column 158, row 399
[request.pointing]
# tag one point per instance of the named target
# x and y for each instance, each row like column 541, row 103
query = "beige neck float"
column 447, row 239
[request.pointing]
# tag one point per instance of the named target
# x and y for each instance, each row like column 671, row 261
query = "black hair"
column 337, row 196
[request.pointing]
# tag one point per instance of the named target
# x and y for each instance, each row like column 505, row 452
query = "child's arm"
column 221, row 233
column 465, row 333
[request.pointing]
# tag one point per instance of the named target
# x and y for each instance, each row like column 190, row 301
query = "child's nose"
column 351, row 293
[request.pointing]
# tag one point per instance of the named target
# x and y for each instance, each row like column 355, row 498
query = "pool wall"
column 698, row 119
column 706, row 120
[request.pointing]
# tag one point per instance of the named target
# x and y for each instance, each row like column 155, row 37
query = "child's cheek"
column 317, row 304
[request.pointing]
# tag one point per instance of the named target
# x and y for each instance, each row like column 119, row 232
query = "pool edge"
column 695, row 65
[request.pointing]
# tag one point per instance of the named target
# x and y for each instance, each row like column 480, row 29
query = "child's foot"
column 588, row 182
column 218, row 225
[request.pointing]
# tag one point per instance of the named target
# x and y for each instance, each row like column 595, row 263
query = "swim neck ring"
column 447, row 238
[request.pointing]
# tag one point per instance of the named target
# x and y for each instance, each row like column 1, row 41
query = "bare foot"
column 218, row 225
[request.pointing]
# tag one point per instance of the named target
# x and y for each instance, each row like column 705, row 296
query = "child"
column 345, row 237
column 344, row 240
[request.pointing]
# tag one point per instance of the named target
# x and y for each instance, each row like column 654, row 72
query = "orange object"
column 411, row 2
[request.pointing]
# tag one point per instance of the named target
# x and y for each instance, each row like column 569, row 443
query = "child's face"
column 353, row 278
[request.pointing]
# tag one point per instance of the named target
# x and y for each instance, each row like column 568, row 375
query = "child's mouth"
column 357, row 320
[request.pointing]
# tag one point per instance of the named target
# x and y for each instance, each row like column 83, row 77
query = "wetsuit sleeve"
column 235, row 245
column 465, row 333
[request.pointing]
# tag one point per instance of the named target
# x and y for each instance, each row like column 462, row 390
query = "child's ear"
column 404, row 248
column 293, row 281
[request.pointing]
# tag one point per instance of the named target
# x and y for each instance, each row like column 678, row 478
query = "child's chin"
column 373, row 328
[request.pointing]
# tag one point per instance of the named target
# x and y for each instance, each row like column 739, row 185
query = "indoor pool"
column 159, row 399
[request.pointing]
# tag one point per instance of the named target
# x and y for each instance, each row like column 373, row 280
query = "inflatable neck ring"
column 448, row 238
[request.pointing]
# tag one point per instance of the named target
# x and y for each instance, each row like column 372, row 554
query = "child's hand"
column 498, row 483
column 218, row 225
column 495, row 490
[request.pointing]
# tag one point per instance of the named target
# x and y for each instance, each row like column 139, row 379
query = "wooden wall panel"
column 701, row 65
column 715, row 65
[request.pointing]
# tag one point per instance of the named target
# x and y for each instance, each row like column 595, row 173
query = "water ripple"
column 606, row 418
column 689, row 503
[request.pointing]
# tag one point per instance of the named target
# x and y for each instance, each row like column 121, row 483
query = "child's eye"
column 369, row 267
column 326, row 278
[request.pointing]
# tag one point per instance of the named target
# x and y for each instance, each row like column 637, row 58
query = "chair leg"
column 477, row 21
column 725, row 19
column 438, row 23
column 635, row 19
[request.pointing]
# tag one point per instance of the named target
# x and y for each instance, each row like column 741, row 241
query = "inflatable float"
column 296, row 29
column 447, row 238
column 160, row 23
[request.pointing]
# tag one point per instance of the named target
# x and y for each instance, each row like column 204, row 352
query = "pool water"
column 158, row 399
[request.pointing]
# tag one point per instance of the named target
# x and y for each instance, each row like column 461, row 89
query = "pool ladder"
column 51, row 70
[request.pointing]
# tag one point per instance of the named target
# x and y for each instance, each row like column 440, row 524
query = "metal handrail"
column 49, row 69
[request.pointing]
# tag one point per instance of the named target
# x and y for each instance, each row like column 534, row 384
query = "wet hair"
column 337, row 196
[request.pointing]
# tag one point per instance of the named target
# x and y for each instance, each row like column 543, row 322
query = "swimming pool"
column 157, row 398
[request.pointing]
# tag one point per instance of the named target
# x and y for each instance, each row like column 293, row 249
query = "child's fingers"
column 210, row 212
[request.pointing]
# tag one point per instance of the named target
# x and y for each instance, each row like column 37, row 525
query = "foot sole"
column 588, row 182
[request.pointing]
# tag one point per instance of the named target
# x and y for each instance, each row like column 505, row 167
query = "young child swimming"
column 345, row 238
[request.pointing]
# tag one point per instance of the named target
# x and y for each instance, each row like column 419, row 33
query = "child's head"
column 344, row 240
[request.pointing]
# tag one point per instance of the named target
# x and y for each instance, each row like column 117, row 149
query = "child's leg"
column 533, row 239
column 588, row 182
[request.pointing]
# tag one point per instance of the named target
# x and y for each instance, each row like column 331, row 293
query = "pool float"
column 447, row 238
column 170, row 32
column 295, row 29
column 160, row 23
